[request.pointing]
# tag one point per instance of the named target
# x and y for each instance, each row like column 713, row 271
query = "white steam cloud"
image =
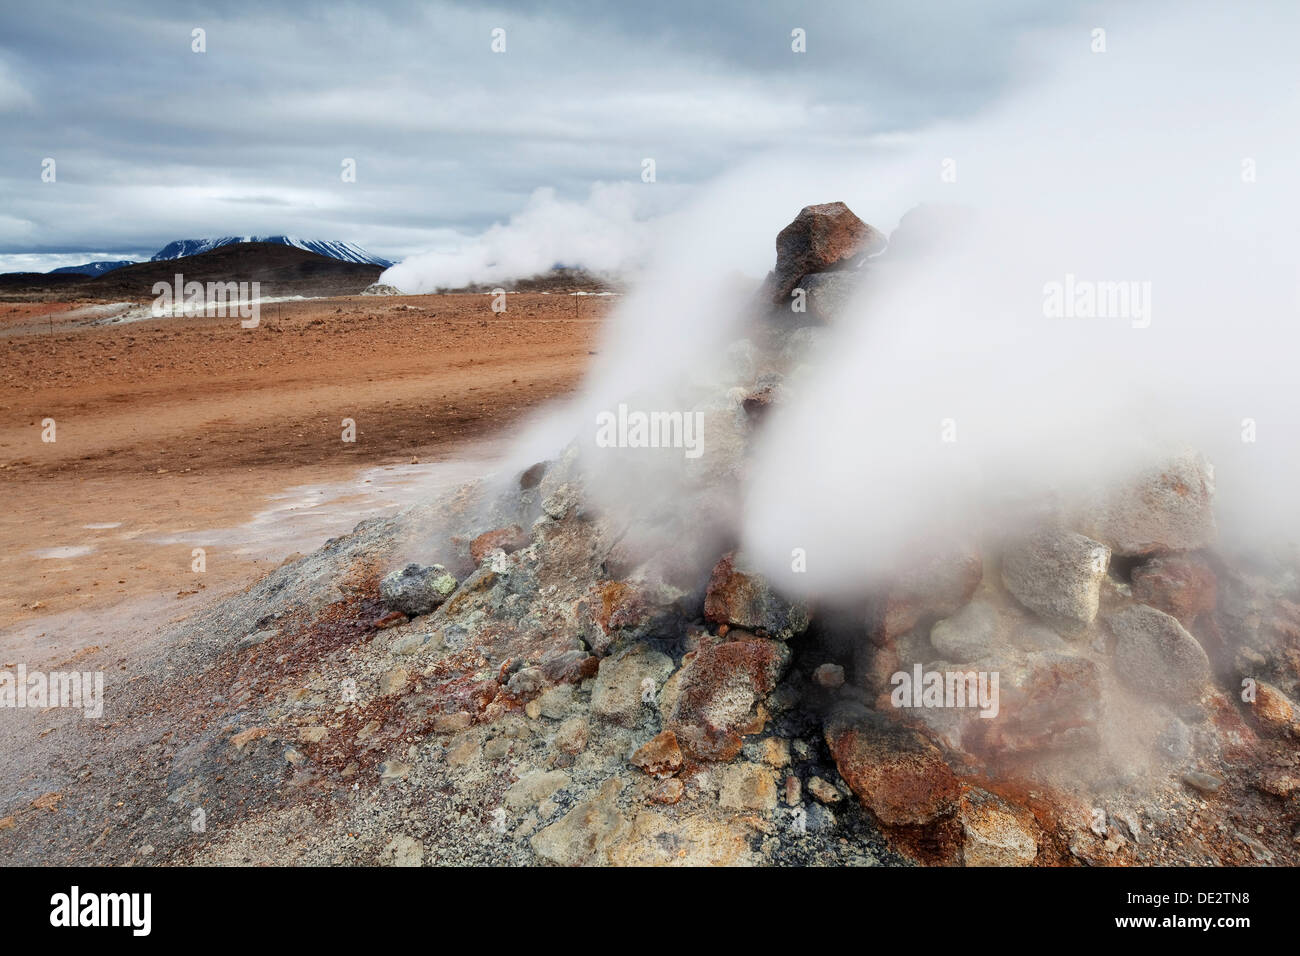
column 607, row 234
column 1165, row 167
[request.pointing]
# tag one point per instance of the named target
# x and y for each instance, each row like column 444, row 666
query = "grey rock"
column 416, row 589
column 1154, row 653
column 1057, row 574
column 966, row 636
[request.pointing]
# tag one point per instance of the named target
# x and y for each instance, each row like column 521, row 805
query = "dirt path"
column 176, row 433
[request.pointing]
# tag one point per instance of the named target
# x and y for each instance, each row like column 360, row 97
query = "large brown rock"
column 820, row 237
column 718, row 690
column 897, row 773
column 1181, row 585
column 739, row 597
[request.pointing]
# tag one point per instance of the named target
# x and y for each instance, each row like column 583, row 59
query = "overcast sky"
column 153, row 141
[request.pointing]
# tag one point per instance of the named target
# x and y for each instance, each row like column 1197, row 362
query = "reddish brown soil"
column 183, row 423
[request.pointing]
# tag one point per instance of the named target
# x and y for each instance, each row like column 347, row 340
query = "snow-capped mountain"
column 94, row 268
column 345, row 251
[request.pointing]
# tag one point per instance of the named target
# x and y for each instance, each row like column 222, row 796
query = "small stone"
column 571, row 737
column 1280, row 783
column 660, row 756
column 416, row 589
column 1273, row 709
column 532, row 788
column 313, row 735
column 391, row 619
column 533, row 709
column 792, row 791
column 620, row 690
column 462, row 753
column 1203, row 782
column 394, row 681
column 776, row 752
column 747, row 786
column 995, row 832
column 829, row 676
column 394, row 770
column 824, row 791
column 556, row 701
column 451, row 723
column 668, row 791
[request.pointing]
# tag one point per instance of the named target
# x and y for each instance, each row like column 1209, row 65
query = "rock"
column 1155, row 654
column 394, row 681
column 532, row 788
column 1182, row 585
column 1280, row 783
column 391, row 619
column 824, row 791
column 571, row 736
column 792, row 790
column 556, row 701
column 819, row 237
column 584, row 835
column 819, row 819
column 741, row 598
column 380, row 288
column 416, row 589
column 995, row 832
column 1164, row 509
column 775, row 752
column 1047, row 701
column 618, row 694
column 895, row 771
column 829, row 676
column 935, row 584
column 394, row 770
column 747, row 786
column 668, row 791
column 660, row 756
column 966, row 636
column 526, row 682
column 1273, row 709
column 1202, row 782
column 827, row 293
column 1175, row 741
column 718, row 689
column 1057, row 574
column 509, row 540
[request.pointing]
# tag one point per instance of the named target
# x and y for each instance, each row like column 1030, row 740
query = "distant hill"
column 93, row 268
column 281, row 270
column 343, row 251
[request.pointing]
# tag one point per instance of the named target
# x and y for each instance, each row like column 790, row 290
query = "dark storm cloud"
column 153, row 141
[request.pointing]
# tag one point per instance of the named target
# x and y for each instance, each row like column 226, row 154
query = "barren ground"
column 168, row 430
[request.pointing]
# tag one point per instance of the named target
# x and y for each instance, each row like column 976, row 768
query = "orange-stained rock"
column 897, row 773
column 509, row 540
column 660, row 756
